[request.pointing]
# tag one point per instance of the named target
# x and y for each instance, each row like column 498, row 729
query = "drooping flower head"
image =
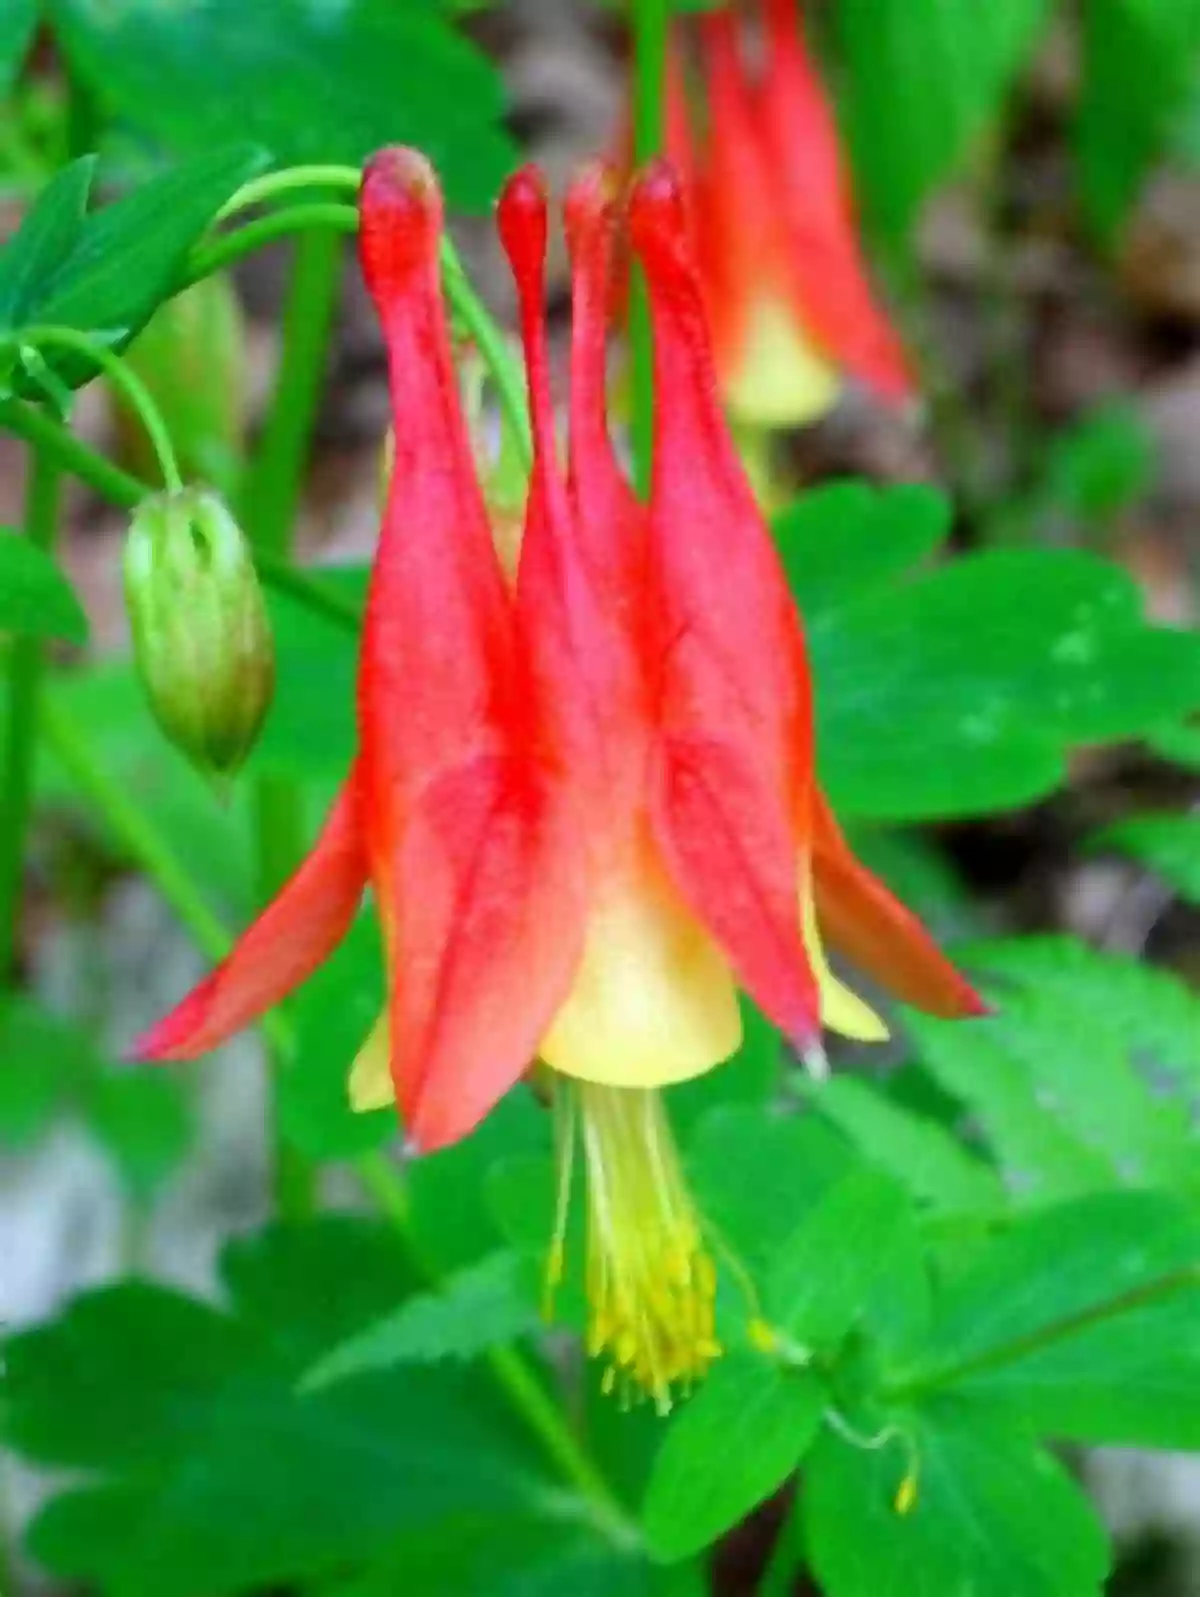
column 585, row 799
column 786, row 289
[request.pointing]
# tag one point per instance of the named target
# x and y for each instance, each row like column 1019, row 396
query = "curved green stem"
column 123, row 489
column 271, row 494
column 20, row 732
column 500, row 360
column 271, row 184
column 650, row 28
column 310, row 591
column 502, row 364
column 122, row 376
column 72, row 454
column 213, row 254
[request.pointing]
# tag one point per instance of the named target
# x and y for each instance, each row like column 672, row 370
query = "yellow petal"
column 653, row 1000
column 780, row 379
column 841, row 1010
column 370, row 1076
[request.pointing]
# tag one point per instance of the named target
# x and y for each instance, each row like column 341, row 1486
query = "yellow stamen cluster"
column 650, row 1284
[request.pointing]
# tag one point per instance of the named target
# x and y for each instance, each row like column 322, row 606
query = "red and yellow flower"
column 585, row 799
column 790, row 305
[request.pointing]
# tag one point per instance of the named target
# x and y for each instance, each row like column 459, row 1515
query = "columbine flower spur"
column 585, row 798
column 785, row 285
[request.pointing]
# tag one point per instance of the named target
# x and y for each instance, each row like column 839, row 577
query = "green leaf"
column 911, row 1147
column 1131, row 1378
column 1104, row 463
column 305, row 1287
column 1139, row 66
column 42, row 1062
column 490, row 1303
column 993, row 1514
column 522, row 1192
column 1053, row 1272
column 1065, row 1080
column 1168, row 844
column 332, row 1014
column 996, row 666
column 489, row 1552
column 108, row 701
column 17, row 23
column 735, row 1443
column 843, row 540
column 1150, row 1012
column 43, row 241
column 36, row 600
column 211, row 1475
column 1092, row 471
column 822, row 1277
column 453, row 1218
column 127, row 255
column 756, row 1176
column 310, row 727
column 144, row 1120
column 904, row 139
column 310, row 81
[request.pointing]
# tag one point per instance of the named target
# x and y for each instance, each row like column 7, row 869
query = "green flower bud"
column 201, row 637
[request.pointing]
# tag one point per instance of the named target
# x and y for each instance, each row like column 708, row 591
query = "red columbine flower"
column 787, row 293
column 586, row 804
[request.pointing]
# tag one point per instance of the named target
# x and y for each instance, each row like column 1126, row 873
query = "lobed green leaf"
column 482, row 1306
column 309, row 81
column 991, row 1513
column 736, row 1442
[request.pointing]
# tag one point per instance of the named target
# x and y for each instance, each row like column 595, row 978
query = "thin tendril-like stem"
column 320, row 216
column 272, row 184
column 122, row 488
column 122, row 376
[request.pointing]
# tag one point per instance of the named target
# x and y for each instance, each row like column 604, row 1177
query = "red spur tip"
column 656, row 205
column 400, row 220
column 522, row 220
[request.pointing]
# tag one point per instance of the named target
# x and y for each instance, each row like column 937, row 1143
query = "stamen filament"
column 650, row 1283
